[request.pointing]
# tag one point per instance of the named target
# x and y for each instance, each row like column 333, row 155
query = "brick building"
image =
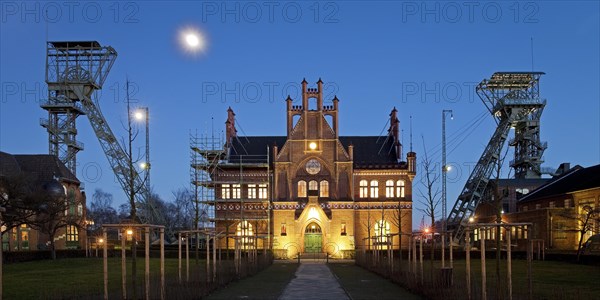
column 311, row 190
column 42, row 174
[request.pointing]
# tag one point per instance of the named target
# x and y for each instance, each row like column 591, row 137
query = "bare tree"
column 101, row 210
column 430, row 198
column 368, row 224
column 132, row 188
column 14, row 194
column 397, row 219
column 583, row 223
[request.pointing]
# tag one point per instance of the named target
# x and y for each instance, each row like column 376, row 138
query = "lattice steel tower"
column 74, row 70
column 513, row 99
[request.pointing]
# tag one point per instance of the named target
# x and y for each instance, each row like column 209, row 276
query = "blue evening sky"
column 374, row 55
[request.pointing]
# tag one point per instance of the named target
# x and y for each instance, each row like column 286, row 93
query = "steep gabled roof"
column 254, row 148
column 372, row 150
column 44, row 167
column 576, row 179
column 369, row 151
column 8, row 165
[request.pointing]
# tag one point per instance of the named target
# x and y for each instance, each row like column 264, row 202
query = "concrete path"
column 314, row 280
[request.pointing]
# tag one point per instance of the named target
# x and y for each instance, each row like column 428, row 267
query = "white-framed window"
column 324, row 188
column 262, row 191
column 301, row 188
column 236, row 190
column 389, row 189
column 313, row 185
column 72, row 233
column 225, row 191
column 400, row 188
column 245, row 231
column 252, row 191
column 382, row 230
column 374, row 189
column 363, row 189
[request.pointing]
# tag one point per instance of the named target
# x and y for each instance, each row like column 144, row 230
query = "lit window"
column 382, row 230
column 72, row 233
column 374, row 191
column 225, row 191
column 252, row 191
column 262, row 191
column 324, row 190
column 400, row 188
column 363, row 189
column 236, row 191
column 538, row 206
column 389, row 189
column 313, row 185
column 283, row 229
column 343, row 229
column 567, row 203
column 244, row 230
column 301, row 188
column 551, row 204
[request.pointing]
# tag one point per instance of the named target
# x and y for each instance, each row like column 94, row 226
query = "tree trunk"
column 52, row 247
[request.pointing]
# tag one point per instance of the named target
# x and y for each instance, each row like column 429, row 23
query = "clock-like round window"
column 313, row 166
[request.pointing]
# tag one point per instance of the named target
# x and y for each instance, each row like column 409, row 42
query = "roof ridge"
column 551, row 182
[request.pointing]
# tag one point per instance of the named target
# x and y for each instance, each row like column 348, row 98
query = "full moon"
column 192, row 40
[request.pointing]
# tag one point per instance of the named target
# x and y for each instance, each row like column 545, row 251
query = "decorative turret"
column 394, row 132
column 230, row 131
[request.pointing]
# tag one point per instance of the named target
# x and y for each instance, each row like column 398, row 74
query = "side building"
column 27, row 178
column 311, row 191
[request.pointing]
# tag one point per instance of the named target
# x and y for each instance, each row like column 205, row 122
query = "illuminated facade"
column 313, row 190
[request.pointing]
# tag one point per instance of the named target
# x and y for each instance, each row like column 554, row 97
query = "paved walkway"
column 314, row 280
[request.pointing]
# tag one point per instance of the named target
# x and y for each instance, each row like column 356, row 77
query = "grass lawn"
column 267, row 284
column 362, row 284
column 74, row 277
column 551, row 279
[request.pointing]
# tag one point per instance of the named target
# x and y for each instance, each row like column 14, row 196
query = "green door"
column 313, row 238
column 312, row 243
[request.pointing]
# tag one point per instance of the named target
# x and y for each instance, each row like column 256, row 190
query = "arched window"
column 324, row 188
column 374, row 191
column 313, row 185
column 313, row 228
column 400, row 188
column 301, row 188
column 382, row 230
column 389, row 189
column 364, row 189
column 244, row 230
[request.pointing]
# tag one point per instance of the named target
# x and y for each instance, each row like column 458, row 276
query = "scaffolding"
column 231, row 191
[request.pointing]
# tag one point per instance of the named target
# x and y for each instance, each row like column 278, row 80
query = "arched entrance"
column 313, row 238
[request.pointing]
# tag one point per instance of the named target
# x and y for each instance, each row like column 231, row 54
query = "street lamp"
column 140, row 114
column 445, row 169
